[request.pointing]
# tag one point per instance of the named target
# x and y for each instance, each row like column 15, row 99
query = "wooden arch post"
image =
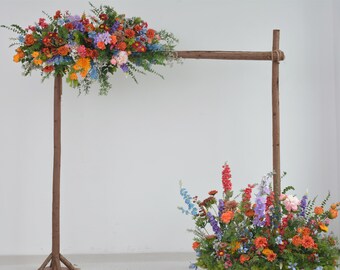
column 275, row 56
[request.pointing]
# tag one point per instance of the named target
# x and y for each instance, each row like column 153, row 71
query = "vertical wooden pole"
column 56, row 174
column 276, row 113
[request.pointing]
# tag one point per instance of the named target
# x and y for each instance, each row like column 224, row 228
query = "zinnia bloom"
column 307, row 242
column 244, row 258
column 271, row 257
column 296, row 240
column 227, row 216
column 121, row 46
column 101, row 45
column 260, row 242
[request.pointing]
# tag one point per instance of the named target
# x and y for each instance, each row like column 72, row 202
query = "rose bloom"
column 63, row 50
column 291, row 203
column 129, row 33
column 318, row 210
column 113, row 39
column 296, row 240
column 333, row 213
column 48, row 69
column 244, row 258
column 195, row 245
column 260, row 242
column 121, row 46
column 101, row 45
column 227, row 216
column 307, row 242
column 122, row 58
column 150, row 33
column 29, row 39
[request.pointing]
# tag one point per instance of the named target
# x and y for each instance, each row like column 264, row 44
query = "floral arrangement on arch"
column 291, row 234
column 88, row 48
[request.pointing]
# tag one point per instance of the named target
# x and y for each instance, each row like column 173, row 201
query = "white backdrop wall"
column 124, row 154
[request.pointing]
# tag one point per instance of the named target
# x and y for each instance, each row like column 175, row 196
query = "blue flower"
column 93, row 73
column 61, row 22
column 319, row 268
column 192, row 266
column 278, row 240
column 21, row 39
column 292, row 266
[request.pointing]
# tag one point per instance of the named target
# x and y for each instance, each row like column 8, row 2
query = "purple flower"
column 114, row 27
column 103, row 37
column 214, row 225
column 124, row 67
column 220, row 207
column 303, row 205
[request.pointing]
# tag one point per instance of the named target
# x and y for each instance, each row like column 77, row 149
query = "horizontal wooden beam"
column 233, row 55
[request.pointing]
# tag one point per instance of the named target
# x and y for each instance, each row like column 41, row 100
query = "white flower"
column 122, row 58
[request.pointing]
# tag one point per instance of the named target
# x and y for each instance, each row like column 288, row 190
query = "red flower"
column 29, row 39
column 307, row 241
column 69, row 26
column 244, row 258
column 42, row 23
column 195, row 245
column 129, row 33
column 103, row 17
column 213, row 192
column 47, row 41
column 121, row 46
column 137, row 28
column 150, row 33
column 271, row 257
column 32, row 28
column 226, row 176
column 48, row 69
column 57, row 15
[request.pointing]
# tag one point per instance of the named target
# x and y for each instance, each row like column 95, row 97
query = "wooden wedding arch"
column 275, row 56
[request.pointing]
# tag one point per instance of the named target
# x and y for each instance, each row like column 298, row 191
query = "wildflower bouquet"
column 291, row 234
column 88, row 48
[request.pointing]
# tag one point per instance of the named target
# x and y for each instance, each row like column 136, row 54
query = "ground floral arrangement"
column 291, row 234
column 88, row 48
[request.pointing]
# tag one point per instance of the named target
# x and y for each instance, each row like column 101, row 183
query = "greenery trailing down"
column 261, row 233
column 87, row 48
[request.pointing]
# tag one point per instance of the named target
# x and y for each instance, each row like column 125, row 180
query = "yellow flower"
column 73, row 76
column 267, row 251
column 37, row 62
column 83, row 63
column 235, row 246
column 323, row 227
column 35, row 54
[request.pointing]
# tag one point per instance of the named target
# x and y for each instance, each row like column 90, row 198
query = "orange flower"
column 121, row 46
column 260, row 242
column 37, row 62
column 113, row 39
column 250, row 213
column 89, row 27
column 20, row 53
column 48, row 69
column 29, row 39
column 150, row 33
column 16, row 58
column 271, row 257
column 323, row 227
column 318, row 210
column 227, row 216
column 296, row 240
column 305, row 231
column 307, row 242
column 333, row 213
column 195, row 245
column 235, row 246
column 35, row 54
column 244, row 258
column 101, row 45
column 63, row 50
column 73, row 76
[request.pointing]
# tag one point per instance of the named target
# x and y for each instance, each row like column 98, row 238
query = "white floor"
column 161, row 261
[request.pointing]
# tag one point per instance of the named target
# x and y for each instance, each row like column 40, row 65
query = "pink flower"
column 291, row 203
column 81, row 51
column 283, row 197
column 113, row 61
column 122, row 58
column 42, row 23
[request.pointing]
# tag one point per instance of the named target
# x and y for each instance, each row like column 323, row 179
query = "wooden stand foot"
column 56, row 263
